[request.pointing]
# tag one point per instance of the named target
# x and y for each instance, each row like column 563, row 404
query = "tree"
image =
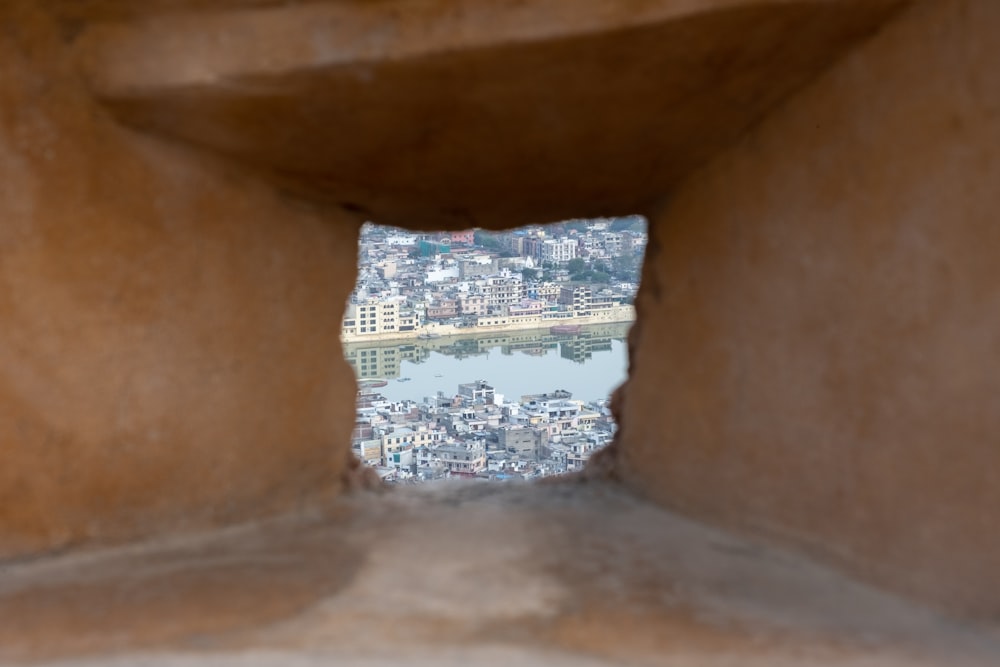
column 486, row 240
column 626, row 267
column 529, row 275
column 576, row 265
column 634, row 223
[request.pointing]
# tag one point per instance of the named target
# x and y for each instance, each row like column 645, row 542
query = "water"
column 590, row 364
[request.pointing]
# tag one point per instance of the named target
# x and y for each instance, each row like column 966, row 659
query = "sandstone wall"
column 820, row 319
column 169, row 353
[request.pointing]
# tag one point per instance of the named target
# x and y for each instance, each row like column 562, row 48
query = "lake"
column 589, row 364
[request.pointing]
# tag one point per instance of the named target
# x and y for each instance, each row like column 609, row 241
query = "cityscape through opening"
column 490, row 355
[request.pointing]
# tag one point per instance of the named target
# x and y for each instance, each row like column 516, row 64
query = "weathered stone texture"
column 816, row 354
column 464, row 113
column 169, row 344
column 820, row 319
column 168, row 328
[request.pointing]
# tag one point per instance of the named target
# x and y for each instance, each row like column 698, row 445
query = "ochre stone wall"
column 818, row 351
column 820, row 313
column 463, row 113
column 169, row 353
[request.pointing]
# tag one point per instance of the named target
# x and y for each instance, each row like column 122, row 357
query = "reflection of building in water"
column 582, row 348
column 462, row 348
column 536, row 348
column 385, row 361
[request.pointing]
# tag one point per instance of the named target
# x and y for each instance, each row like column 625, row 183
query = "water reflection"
column 384, row 360
column 589, row 363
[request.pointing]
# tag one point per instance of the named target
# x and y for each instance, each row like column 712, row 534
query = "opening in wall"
column 490, row 355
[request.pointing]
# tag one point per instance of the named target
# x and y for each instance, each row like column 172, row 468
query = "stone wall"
column 820, row 319
column 168, row 327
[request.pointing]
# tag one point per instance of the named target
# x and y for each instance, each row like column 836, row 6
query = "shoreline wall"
column 623, row 314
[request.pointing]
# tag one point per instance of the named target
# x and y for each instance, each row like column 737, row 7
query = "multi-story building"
column 467, row 237
column 405, row 439
column 612, row 243
column 472, row 268
column 633, row 243
column 501, row 291
column 443, row 309
column 528, row 307
column 523, row 441
column 588, row 245
column 559, row 251
column 532, row 246
column 398, row 290
column 399, row 238
column 463, row 458
column 548, row 292
column 577, row 454
column 374, row 316
column 554, row 409
column 472, row 304
column 514, row 243
column 476, row 392
column 578, row 297
column 603, row 301
column 543, row 434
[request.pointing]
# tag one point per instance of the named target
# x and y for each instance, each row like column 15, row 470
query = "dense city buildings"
column 429, row 285
column 568, row 286
column 477, row 433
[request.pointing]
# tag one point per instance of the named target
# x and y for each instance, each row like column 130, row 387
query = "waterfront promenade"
column 619, row 314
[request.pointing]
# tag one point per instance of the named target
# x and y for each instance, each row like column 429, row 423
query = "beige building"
column 372, row 316
column 462, row 459
column 578, row 298
column 472, row 304
column 500, row 292
column 405, row 439
column 549, row 292
column 379, row 316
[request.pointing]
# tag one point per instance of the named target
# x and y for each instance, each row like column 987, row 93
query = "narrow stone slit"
column 490, row 355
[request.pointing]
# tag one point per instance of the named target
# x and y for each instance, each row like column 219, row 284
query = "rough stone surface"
column 168, row 348
column 815, row 358
column 461, row 113
column 820, row 319
column 564, row 574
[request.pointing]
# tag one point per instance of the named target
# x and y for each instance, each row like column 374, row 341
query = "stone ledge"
column 561, row 573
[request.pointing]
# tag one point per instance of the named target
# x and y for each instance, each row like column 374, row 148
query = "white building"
column 559, row 251
column 400, row 239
